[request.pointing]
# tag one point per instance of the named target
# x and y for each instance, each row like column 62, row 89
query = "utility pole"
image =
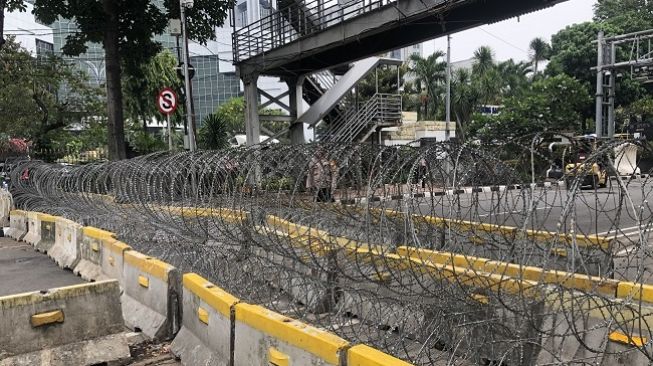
column 189, row 111
column 599, row 86
column 448, row 98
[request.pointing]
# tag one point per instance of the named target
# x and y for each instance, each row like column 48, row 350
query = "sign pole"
column 169, row 133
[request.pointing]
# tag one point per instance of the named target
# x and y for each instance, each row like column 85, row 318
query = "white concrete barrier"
column 152, row 291
column 263, row 337
column 6, row 205
column 65, row 250
column 17, row 224
column 47, row 232
column 91, row 250
column 74, row 325
column 205, row 337
column 33, row 235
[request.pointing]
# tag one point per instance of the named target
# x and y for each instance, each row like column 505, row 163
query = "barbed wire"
column 446, row 254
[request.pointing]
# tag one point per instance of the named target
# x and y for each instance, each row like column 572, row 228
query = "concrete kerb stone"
column 6, row 205
column 74, row 325
column 17, row 224
column 65, row 250
column 206, row 335
column 151, row 297
column 264, row 337
column 47, row 232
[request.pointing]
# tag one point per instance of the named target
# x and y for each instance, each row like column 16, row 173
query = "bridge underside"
column 390, row 27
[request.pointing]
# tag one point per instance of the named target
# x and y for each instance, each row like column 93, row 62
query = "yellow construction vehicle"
column 594, row 173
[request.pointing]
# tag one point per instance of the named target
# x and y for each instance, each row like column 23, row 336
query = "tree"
column 464, row 101
column 31, row 103
column 540, row 51
column 483, row 60
column 125, row 29
column 429, row 74
column 141, row 89
column 213, row 133
column 9, row 6
column 513, row 76
column 551, row 104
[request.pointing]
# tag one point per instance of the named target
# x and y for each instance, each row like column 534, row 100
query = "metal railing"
column 293, row 22
column 381, row 109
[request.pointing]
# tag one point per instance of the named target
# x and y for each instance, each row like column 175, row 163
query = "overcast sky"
column 510, row 38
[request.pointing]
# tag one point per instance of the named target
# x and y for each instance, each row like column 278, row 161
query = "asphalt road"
column 22, row 269
column 606, row 211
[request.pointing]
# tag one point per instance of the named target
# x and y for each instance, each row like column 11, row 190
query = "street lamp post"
column 191, row 127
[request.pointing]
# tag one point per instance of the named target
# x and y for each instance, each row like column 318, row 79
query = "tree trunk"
column 2, row 22
column 115, row 125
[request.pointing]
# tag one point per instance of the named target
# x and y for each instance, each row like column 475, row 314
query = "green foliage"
column 540, row 50
column 549, row 105
column 141, row 89
column 430, row 75
column 31, row 105
column 232, row 114
column 9, row 6
column 213, row 133
column 387, row 81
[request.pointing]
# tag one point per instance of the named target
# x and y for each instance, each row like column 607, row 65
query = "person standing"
column 322, row 176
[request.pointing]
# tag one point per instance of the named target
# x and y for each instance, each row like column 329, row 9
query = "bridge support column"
column 252, row 123
column 296, row 98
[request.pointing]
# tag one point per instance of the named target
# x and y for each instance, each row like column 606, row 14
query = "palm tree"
column 429, row 74
column 513, row 76
column 483, row 60
column 464, row 99
column 540, row 50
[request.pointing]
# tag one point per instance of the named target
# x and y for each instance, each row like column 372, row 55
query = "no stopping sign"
column 166, row 101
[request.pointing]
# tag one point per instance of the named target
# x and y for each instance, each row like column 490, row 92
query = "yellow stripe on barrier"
column 57, row 294
column 117, row 246
column 45, row 217
column 149, row 265
column 464, row 225
column 566, row 279
column 321, row 343
column 363, row 355
column 212, row 295
column 622, row 338
column 637, row 291
column 18, row 213
column 50, row 317
column 95, row 233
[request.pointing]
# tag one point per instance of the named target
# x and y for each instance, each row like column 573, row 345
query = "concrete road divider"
column 74, row 325
column 65, row 250
column 151, row 298
column 263, row 337
column 205, row 337
column 33, row 228
column 47, row 233
column 17, row 224
column 6, row 205
column 362, row 355
column 92, row 248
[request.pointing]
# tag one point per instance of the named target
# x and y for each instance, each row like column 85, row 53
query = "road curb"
column 450, row 192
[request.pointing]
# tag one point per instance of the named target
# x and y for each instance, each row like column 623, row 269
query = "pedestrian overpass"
column 302, row 38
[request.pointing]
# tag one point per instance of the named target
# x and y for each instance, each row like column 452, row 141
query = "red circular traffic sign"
column 166, row 101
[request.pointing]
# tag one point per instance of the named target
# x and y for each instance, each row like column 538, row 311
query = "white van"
column 241, row 140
